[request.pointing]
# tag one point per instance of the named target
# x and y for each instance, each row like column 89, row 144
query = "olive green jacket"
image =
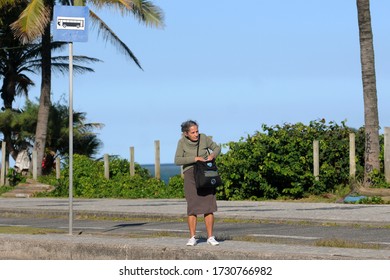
column 186, row 150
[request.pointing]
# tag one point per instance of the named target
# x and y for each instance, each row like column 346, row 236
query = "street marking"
column 286, row 236
column 167, row 230
column 97, row 228
column 381, row 243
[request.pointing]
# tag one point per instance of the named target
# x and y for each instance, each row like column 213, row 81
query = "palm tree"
column 371, row 119
column 17, row 60
column 86, row 142
column 57, row 140
column 23, row 125
column 34, row 21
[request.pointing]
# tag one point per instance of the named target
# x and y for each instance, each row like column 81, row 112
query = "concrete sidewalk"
column 281, row 211
column 106, row 247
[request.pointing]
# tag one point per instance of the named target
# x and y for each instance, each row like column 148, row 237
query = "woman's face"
column 193, row 133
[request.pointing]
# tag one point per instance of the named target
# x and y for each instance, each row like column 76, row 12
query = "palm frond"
column 145, row 11
column 58, row 46
column 76, row 58
column 61, row 64
column 30, row 52
column 109, row 35
column 64, row 68
column 6, row 3
column 86, row 128
column 23, row 83
column 32, row 21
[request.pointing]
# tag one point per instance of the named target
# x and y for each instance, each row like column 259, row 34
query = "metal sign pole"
column 70, row 25
column 70, row 138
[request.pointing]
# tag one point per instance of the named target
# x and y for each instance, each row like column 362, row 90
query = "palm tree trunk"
column 8, row 90
column 371, row 120
column 44, row 100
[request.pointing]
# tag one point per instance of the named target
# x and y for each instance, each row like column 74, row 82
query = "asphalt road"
column 286, row 233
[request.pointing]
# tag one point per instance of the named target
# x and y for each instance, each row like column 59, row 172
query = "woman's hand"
column 200, row 159
column 208, row 158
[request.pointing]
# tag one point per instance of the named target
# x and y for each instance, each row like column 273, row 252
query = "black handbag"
column 206, row 173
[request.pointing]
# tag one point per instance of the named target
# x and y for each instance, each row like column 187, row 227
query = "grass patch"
column 268, row 240
column 340, row 243
column 336, row 243
column 94, row 217
column 141, row 218
column 27, row 230
column 5, row 189
column 157, row 234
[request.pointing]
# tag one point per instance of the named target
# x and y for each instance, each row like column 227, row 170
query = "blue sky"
column 231, row 66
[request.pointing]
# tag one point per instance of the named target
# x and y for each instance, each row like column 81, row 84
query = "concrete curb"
column 66, row 247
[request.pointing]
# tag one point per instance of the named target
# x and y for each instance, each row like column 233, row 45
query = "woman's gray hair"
column 185, row 126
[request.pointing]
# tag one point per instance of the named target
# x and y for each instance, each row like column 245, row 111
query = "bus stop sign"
column 70, row 23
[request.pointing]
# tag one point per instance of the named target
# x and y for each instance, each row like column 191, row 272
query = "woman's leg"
column 209, row 222
column 192, row 220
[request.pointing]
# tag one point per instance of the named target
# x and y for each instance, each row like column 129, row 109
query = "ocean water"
column 167, row 170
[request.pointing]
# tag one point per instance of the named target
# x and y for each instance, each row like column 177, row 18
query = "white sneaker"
column 192, row 241
column 211, row 240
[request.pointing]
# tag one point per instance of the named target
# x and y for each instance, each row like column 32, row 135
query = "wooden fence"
column 316, row 160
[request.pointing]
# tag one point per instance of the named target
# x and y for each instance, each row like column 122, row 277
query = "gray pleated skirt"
column 198, row 202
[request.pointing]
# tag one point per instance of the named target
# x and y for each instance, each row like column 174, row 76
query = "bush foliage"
column 89, row 181
column 278, row 162
column 274, row 163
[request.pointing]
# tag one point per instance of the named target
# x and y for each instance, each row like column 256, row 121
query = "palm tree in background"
column 17, row 61
column 34, row 22
column 85, row 140
column 23, row 124
column 371, row 119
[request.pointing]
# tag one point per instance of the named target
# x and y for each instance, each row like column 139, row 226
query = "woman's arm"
column 180, row 159
column 214, row 147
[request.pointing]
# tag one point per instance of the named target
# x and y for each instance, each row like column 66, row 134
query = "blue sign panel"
column 70, row 23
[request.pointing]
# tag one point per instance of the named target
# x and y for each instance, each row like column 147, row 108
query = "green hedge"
column 89, row 181
column 278, row 162
column 274, row 163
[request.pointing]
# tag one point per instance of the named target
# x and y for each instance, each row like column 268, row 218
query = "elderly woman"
column 198, row 202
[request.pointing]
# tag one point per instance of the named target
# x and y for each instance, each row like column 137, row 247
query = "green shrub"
column 278, row 162
column 14, row 177
column 5, row 189
column 378, row 179
column 371, row 200
column 175, row 187
column 89, row 181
